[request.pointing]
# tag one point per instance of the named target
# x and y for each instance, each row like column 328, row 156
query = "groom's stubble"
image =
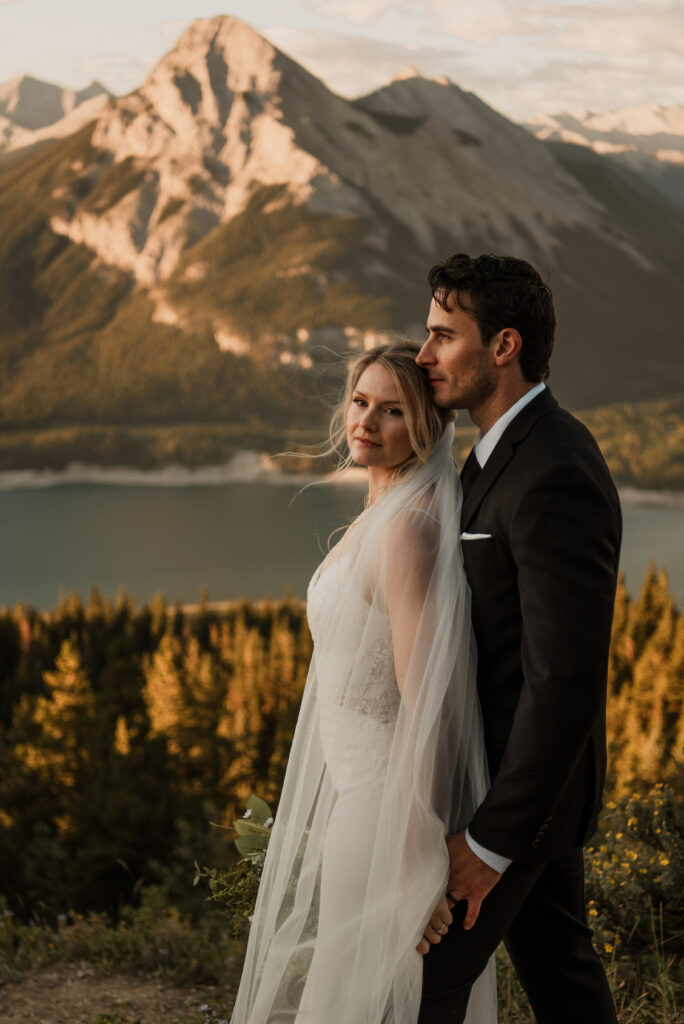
column 457, row 360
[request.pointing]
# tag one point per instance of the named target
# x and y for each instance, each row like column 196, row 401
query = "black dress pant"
column 539, row 912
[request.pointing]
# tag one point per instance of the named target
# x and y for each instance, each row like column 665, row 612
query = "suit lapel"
column 513, row 435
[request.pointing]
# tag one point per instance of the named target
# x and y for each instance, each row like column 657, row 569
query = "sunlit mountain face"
column 204, row 248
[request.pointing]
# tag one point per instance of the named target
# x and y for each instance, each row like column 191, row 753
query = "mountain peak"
column 33, row 104
column 408, row 71
column 233, row 48
column 411, row 73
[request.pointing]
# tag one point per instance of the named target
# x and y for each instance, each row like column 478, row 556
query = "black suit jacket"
column 543, row 588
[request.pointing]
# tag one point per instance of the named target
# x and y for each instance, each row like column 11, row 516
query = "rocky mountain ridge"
column 233, row 224
column 225, row 110
column 32, row 110
column 649, row 138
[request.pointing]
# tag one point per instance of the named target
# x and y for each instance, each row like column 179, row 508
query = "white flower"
column 268, row 822
column 248, row 813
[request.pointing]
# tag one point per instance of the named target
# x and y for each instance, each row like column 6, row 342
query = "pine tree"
column 64, row 720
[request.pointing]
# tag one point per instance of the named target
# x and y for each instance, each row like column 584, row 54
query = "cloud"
column 360, row 12
column 172, row 29
column 354, row 65
column 605, row 26
column 525, row 57
column 119, row 73
column 596, row 83
column 602, row 85
column 628, row 29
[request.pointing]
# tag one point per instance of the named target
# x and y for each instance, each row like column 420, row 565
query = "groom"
column 541, row 538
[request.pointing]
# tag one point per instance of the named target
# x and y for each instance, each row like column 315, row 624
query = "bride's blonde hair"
column 424, row 420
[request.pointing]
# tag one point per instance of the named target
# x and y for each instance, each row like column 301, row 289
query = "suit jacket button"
column 547, row 821
column 536, row 843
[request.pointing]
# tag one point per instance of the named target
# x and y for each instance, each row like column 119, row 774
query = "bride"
column 387, row 756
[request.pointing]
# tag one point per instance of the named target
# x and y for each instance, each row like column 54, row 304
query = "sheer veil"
column 388, row 746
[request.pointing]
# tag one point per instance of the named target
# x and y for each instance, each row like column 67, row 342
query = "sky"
column 524, row 57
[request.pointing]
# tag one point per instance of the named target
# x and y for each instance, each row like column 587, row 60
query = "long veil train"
column 387, row 757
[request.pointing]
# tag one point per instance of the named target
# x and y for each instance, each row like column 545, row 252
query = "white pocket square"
column 476, row 536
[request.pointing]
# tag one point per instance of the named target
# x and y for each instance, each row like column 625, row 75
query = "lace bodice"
column 357, row 709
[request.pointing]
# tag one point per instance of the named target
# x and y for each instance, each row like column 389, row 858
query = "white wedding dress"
column 386, row 758
column 357, row 739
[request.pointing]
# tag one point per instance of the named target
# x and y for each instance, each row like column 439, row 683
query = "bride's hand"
column 437, row 926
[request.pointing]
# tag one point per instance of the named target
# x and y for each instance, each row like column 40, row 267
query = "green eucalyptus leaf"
column 247, row 845
column 250, row 828
column 259, row 808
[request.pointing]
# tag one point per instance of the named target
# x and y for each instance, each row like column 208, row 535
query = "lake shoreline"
column 246, row 467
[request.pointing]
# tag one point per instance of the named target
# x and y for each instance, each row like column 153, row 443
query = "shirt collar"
column 486, row 443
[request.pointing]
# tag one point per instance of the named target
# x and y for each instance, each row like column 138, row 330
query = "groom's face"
column 459, row 364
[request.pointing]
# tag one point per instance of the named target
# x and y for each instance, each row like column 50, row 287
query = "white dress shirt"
column 486, row 443
column 484, row 446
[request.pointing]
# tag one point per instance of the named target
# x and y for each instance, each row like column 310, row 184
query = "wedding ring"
column 442, row 928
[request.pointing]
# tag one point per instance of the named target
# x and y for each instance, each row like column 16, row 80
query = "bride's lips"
column 366, row 442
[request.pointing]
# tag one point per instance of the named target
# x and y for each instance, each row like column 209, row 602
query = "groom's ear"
column 506, row 346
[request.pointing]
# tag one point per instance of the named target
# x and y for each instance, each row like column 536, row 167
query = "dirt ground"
column 77, row 993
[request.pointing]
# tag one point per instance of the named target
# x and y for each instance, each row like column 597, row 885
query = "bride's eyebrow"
column 382, row 401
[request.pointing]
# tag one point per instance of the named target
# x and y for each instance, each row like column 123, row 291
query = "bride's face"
column 376, row 428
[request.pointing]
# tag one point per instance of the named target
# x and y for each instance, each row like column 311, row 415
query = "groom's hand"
column 470, row 878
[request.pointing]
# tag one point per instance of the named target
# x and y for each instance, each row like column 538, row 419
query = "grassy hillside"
column 275, row 268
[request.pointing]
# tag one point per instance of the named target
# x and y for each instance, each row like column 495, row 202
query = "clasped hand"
column 470, row 879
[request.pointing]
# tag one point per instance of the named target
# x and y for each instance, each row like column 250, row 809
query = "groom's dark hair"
column 499, row 292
